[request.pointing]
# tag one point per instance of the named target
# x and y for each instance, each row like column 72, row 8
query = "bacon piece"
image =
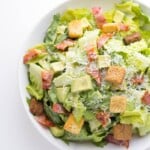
column 58, row 108
column 36, row 107
column 46, row 79
column 99, row 17
column 110, row 138
column 65, row 44
column 30, row 55
column 103, row 39
column 91, row 53
column 95, row 73
column 123, row 27
column 146, row 98
column 103, row 117
column 137, row 80
column 43, row 120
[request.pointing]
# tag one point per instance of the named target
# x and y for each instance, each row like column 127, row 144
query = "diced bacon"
column 91, row 53
column 46, row 79
column 65, row 44
column 110, row 138
column 99, row 17
column 43, row 120
column 146, row 98
column 138, row 80
column 94, row 73
column 58, row 108
column 103, row 117
column 123, row 27
column 30, row 55
column 103, row 39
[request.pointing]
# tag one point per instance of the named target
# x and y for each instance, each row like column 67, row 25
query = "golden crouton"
column 72, row 125
column 122, row 132
column 110, row 27
column 117, row 104
column 76, row 27
column 115, row 74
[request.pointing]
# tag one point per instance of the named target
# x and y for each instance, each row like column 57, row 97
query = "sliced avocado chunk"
column 94, row 124
column 63, row 80
column 57, row 66
column 62, row 93
column 118, row 16
column 103, row 61
column 81, row 84
column 57, row 132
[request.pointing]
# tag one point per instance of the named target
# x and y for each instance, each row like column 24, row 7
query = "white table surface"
column 17, row 19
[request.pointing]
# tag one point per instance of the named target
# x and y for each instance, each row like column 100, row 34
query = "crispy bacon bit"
column 123, row 27
column 36, row 107
column 146, row 98
column 110, row 138
column 58, row 108
column 43, row 120
column 30, row 55
column 103, row 39
column 99, row 17
column 103, row 117
column 137, row 80
column 46, row 79
column 91, row 53
column 95, row 73
column 65, row 44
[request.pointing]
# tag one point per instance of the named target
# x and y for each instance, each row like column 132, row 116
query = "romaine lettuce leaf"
column 134, row 11
column 72, row 14
column 136, row 117
column 146, row 128
column 78, row 110
column 89, row 38
column 55, row 34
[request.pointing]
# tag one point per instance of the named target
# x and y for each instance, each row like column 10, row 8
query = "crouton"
column 76, row 27
column 115, row 74
column 118, row 104
column 110, row 27
column 122, row 132
column 72, row 125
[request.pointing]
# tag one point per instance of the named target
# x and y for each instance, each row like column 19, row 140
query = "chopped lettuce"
column 143, row 130
column 136, row 117
column 89, row 39
column 72, row 14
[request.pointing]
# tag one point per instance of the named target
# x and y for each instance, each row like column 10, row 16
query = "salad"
column 90, row 78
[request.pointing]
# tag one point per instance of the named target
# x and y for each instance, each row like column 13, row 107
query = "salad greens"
column 90, row 78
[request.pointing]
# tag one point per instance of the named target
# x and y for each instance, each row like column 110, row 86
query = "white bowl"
column 37, row 37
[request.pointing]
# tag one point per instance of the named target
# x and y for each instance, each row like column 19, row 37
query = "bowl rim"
column 20, row 63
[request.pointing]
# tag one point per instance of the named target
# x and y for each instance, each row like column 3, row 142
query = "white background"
column 17, row 19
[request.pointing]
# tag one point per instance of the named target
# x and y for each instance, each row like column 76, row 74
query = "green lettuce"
column 136, row 117
column 72, row 14
column 134, row 11
column 55, row 34
column 78, row 110
column 89, row 38
column 146, row 127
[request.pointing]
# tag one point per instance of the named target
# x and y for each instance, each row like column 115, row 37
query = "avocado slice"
column 103, row 61
column 62, row 80
column 57, row 66
column 118, row 16
column 83, row 83
column 57, row 132
column 62, row 93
